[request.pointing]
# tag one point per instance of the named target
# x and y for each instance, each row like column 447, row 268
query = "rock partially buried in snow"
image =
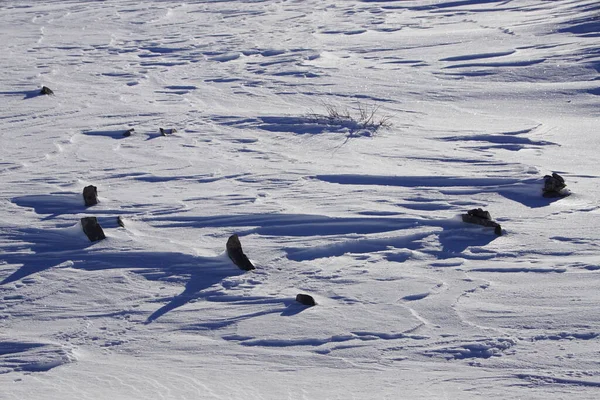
column 120, row 222
column 235, row 253
column 166, row 132
column 92, row 229
column 128, row 132
column 481, row 217
column 305, row 299
column 90, row 195
column 480, row 213
column 554, row 186
column 46, row 91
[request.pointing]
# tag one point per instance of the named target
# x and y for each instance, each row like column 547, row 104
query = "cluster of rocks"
column 554, row 186
column 90, row 225
column 92, row 229
column 237, row 256
column 164, row 132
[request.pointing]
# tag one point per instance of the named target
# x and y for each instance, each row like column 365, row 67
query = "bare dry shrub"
column 364, row 120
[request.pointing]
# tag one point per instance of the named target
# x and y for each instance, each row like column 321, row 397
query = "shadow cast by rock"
column 113, row 134
column 199, row 280
column 293, row 308
column 27, row 94
column 60, row 203
column 54, row 203
column 39, row 249
column 35, row 250
column 531, row 198
column 456, row 239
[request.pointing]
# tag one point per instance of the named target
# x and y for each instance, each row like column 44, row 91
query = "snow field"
column 484, row 98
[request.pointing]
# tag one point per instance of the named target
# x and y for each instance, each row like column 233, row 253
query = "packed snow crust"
column 341, row 140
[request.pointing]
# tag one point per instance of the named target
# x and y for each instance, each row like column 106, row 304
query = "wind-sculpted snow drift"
column 201, row 120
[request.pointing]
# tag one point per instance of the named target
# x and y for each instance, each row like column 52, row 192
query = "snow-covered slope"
column 341, row 140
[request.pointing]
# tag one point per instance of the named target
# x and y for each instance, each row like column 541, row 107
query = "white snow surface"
column 477, row 101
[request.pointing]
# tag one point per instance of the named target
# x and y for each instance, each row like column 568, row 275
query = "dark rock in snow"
column 483, row 218
column 554, row 186
column 235, row 253
column 128, row 132
column 166, row 132
column 120, row 222
column 480, row 213
column 498, row 230
column 305, row 299
column 92, row 229
column 46, row 90
column 90, row 195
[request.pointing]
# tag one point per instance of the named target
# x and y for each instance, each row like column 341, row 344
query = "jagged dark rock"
column 90, row 195
column 128, row 132
column 166, row 132
column 554, row 186
column 120, row 222
column 305, row 299
column 481, row 217
column 47, row 91
column 480, row 213
column 236, row 254
column 92, row 229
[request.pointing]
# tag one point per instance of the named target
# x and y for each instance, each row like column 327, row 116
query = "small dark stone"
column 236, row 254
column 128, row 132
column 92, row 229
column 305, row 299
column 90, row 195
column 120, row 222
column 166, row 132
column 47, row 91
